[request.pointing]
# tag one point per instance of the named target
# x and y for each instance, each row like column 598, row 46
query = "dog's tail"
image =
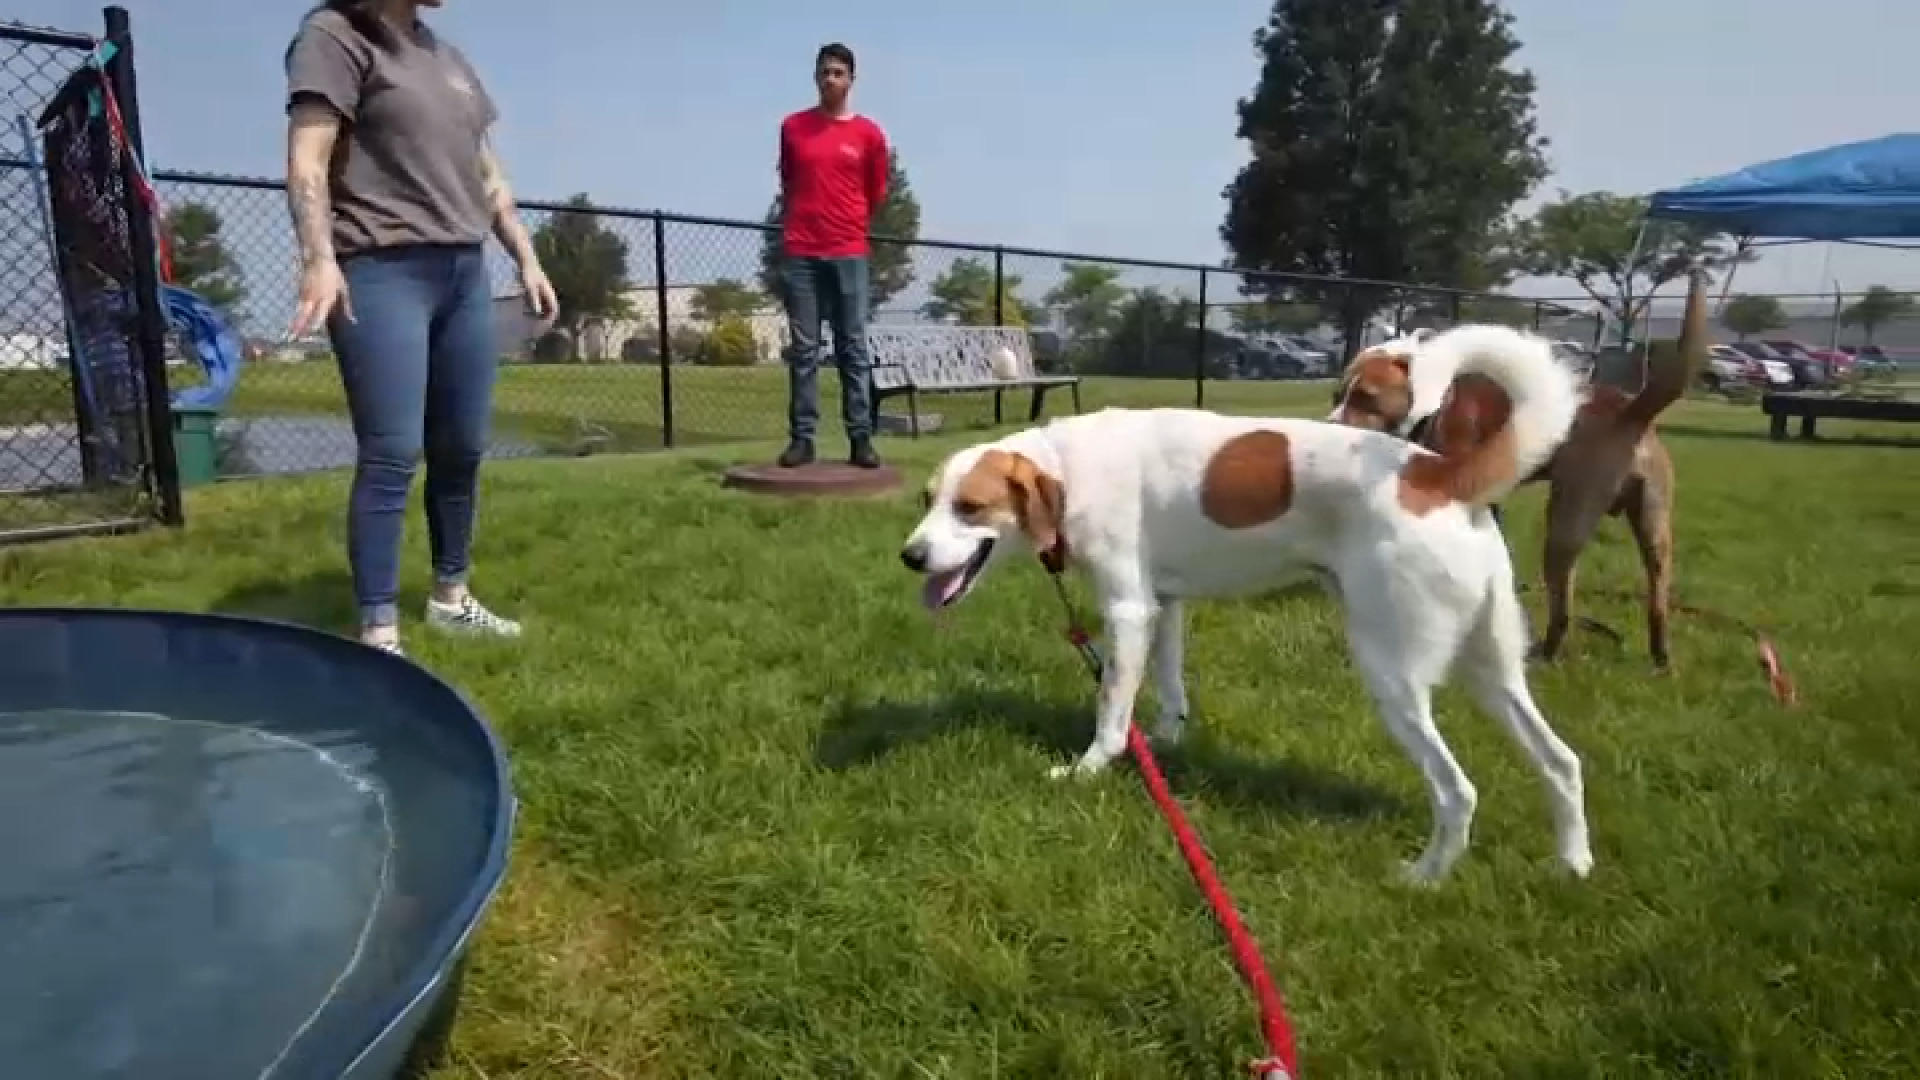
column 1668, row 371
column 1508, row 407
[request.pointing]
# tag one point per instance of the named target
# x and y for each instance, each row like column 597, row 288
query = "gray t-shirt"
column 406, row 168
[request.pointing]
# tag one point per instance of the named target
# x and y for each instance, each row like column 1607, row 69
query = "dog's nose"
column 915, row 558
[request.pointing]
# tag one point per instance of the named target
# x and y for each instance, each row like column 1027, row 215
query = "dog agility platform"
column 819, row 478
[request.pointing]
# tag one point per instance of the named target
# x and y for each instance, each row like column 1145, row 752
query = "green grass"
column 776, row 823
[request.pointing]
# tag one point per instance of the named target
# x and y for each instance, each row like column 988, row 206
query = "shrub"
column 731, row 343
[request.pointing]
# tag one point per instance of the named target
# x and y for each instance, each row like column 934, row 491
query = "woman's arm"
column 507, row 227
column 312, row 129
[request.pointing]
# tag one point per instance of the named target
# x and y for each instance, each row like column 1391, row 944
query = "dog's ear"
column 1038, row 503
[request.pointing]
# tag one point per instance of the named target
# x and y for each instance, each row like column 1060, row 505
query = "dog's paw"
column 1170, row 729
column 1578, row 862
column 1419, row 874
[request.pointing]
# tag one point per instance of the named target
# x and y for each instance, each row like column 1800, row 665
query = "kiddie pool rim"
column 422, row 990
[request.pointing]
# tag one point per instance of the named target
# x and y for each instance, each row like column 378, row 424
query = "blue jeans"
column 418, row 363
column 835, row 289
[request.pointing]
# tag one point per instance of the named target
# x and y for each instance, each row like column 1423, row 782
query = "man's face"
column 833, row 79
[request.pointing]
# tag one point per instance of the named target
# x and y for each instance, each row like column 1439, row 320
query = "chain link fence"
column 672, row 334
column 85, row 436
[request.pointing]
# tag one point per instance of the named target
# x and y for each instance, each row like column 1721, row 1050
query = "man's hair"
column 834, row 51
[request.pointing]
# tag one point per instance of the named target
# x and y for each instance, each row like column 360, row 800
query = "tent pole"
column 1740, row 247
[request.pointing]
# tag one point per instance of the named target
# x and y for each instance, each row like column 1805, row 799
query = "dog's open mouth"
column 947, row 587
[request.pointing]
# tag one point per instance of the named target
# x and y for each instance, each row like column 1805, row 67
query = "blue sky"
column 1046, row 123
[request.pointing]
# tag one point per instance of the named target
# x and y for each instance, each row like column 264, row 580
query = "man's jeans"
column 418, row 363
column 834, row 289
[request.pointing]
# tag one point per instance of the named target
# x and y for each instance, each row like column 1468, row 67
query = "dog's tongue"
column 940, row 588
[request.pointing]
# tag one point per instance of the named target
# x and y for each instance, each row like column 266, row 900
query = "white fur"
column 1426, row 595
column 1545, row 394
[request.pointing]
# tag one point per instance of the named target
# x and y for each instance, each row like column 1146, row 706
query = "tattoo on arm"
column 312, row 217
column 310, row 139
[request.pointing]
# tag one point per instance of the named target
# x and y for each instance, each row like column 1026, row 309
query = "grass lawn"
column 776, row 823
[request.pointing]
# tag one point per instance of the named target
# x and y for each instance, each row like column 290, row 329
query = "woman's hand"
column 323, row 290
column 541, row 299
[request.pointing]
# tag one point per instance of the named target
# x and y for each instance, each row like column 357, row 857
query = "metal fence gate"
column 85, row 428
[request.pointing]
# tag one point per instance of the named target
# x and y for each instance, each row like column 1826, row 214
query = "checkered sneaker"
column 469, row 616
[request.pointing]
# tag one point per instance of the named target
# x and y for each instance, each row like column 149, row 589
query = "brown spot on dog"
column 1249, row 481
column 1004, row 485
column 1378, row 391
column 1472, row 435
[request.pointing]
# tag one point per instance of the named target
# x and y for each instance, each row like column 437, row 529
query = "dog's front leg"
column 1129, row 630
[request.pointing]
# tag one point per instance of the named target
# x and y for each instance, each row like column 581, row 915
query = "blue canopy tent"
column 1858, row 192
column 1865, row 193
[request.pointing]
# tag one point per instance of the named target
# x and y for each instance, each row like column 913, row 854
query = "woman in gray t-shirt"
column 394, row 187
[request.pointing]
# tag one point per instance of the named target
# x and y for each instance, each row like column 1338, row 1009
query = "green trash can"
column 195, row 448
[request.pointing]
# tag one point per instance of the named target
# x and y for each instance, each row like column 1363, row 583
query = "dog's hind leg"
column 1493, row 665
column 1651, row 520
column 1169, row 677
column 1401, row 652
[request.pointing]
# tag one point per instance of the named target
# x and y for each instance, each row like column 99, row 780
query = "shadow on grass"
column 1760, row 435
column 860, row 734
column 323, row 601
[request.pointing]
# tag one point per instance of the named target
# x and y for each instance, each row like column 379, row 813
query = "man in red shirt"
column 833, row 178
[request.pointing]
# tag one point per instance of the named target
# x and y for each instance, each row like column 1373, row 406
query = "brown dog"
column 1612, row 463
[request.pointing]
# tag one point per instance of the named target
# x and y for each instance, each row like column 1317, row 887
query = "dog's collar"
column 1418, row 432
column 1055, row 557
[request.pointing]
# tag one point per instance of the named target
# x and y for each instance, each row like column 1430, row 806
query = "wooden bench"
column 1809, row 407
column 915, row 360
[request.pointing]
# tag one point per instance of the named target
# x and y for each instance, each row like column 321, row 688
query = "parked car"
column 1729, row 367
column 1775, row 368
column 1871, row 360
column 1810, row 366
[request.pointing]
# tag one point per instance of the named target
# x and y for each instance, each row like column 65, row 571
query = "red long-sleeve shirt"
column 833, row 178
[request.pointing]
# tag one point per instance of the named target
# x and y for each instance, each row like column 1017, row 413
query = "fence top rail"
column 256, row 183
column 41, row 35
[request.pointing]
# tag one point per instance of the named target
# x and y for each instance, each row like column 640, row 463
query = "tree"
column 889, row 265
column 1747, row 314
column 201, row 261
column 727, row 296
column 964, row 294
column 586, row 261
column 1389, row 141
column 1087, row 297
column 1878, row 306
column 1592, row 238
column 1153, row 336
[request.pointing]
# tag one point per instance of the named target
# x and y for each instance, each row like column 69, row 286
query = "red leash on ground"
column 1280, row 1062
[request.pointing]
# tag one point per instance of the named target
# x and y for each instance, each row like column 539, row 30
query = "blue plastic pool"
column 233, row 848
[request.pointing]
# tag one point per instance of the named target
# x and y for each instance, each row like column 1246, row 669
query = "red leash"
column 1280, row 1062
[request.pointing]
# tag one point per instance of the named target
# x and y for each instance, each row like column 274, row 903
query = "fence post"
column 143, row 247
column 999, row 287
column 1200, row 348
column 666, row 338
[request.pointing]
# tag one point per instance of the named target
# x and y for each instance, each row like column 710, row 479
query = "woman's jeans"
column 418, row 362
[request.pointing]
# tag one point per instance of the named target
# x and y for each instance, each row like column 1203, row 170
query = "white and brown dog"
column 1160, row 506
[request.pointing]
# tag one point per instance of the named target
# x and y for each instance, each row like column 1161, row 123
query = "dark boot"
column 862, row 453
column 798, row 452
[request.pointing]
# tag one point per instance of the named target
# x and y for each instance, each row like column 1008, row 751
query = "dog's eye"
column 966, row 507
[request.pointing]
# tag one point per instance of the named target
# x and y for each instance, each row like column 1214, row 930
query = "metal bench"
column 915, row 360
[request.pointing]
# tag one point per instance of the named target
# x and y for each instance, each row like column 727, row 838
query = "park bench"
column 1809, row 407
column 915, row 360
